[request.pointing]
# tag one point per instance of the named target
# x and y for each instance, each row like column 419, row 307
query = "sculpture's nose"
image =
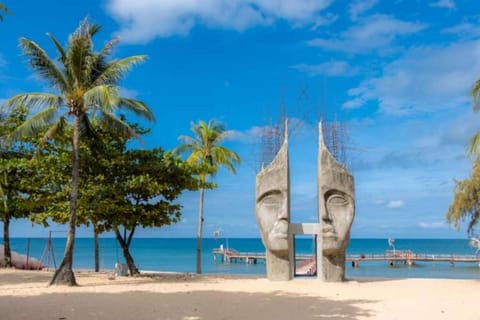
column 324, row 214
column 283, row 212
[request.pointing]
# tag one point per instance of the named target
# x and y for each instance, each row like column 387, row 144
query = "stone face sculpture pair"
column 336, row 208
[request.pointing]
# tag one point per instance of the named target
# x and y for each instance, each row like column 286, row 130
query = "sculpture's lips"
column 329, row 232
column 329, row 235
column 280, row 230
column 279, row 235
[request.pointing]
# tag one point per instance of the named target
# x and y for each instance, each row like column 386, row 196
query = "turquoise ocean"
column 178, row 255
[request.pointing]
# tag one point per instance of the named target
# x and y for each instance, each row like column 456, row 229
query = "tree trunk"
column 95, row 248
column 199, row 231
column 64, row 274
column 126, row 253
column 7, row 253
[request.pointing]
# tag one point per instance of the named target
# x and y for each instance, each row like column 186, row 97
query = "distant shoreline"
column 178, row 255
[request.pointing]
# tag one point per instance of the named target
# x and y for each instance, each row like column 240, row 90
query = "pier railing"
column 407, row 256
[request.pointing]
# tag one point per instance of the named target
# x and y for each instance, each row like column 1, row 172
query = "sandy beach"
column 25, row 295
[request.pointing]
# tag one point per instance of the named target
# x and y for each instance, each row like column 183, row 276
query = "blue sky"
column 397, row 72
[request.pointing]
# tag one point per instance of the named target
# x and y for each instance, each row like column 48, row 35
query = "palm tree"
column 475, row 141
column 86, row 86
column 206, row 151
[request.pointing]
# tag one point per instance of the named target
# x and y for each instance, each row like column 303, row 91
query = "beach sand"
column 25, row 295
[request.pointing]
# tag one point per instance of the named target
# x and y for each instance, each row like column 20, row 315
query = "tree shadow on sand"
column 197, row 305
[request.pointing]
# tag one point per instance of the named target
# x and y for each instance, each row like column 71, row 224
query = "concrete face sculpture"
column 336, row 207
column 273, row 214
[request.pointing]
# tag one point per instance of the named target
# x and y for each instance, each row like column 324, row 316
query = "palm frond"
column 184, row 148
column 87, row 130
column 117, row 126
column 227, row 158
column 59, row 47
column 474, row 144
column 117, row 69
column 37, row 123
column 99, row 61
column 57, row 129
column 197, row 157
column 191, row 142
column 33, row 100
column 78, row 56
column 102, row 97
column 475, row 92
column 108, row 48
column 41, row 63
column 93, row 29
column 137, row 107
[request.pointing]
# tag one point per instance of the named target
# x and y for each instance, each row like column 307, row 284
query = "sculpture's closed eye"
column 337, row 200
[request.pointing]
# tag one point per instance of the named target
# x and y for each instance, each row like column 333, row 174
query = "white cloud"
column 424, row 80
column 296, row 127
column 447, row 4
column 252, row 135
column 359, row 7
column 395, row 204
column 460, row 130
column 375, row 33
column 326, row 19
column 392, row 204
column 463, row 30
column 334, row 68
column 354, row 103
column 432, row 225
column 143, row 20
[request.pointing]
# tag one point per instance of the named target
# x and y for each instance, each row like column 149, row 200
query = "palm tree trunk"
column 64, row 274
column 7, row 253
column 199, row 231
column 95, row 248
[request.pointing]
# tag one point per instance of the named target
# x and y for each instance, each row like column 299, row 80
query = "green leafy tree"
column 152, row 181
column 206, row 151
column 16, row 170
column 86, row 86
column 466, row 201
column 135, row 188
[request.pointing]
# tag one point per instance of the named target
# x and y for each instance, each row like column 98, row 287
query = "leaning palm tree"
column 475, row 141
column 86, row 88
column 206, row 151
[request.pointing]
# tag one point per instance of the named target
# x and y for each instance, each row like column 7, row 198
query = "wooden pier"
column 222, row 255
column 233, row 256
column 409, row 257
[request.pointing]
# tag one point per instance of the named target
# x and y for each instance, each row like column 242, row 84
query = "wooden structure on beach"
column 226, row 256
column 233, row 256
column 409, row 257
